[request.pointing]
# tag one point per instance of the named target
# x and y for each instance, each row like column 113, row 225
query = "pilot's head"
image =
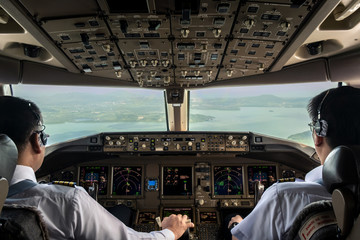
column 21, row 120
column 335, row 116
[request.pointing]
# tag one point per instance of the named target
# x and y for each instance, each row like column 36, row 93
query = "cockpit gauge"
column 177, row 181
column 94, row 175
column 264, row 174
column 127, row 181
column 152, row 184
column 228, row 180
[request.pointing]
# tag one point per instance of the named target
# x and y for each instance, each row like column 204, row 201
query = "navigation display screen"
column 177, row 181
column 127, row 181
column 94, row 175
column 265, row 174
column 180, row 210
column 228, row 180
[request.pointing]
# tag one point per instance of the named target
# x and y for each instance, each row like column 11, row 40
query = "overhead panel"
column 88, row 42
column 200, row 42
column 172, row 43
column 249, row 57
column 261, row 31
column 143, row 40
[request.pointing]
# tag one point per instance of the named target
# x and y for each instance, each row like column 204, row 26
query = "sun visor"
column 345, row 67
column 9, row 70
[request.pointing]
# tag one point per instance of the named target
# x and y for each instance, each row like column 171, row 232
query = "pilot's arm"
column 276, row 211
column 92, row 221
column 263, row 222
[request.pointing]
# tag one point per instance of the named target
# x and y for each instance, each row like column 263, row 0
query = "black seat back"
column 339, row 217
column 16, row 222
column 8, row 159
column 341, row 176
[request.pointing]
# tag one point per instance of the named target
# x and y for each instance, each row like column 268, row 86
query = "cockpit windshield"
column 73, row 112
column 275, row 110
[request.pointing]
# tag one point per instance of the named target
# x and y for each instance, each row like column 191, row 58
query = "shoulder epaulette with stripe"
column 64, row 183
column 281, row 180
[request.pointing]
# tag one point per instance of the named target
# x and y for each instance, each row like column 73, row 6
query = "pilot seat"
column 16, row 222
column 338, row 218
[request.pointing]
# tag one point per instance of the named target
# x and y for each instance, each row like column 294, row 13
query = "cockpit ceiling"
column 157, row 43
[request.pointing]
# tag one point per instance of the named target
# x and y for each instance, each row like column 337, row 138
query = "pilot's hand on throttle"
column 178, row 224
column 236, row 219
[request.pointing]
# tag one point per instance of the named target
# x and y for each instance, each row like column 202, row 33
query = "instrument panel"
column 158, row 44
column 195, row 142
column 177, row 181
column 203, row 175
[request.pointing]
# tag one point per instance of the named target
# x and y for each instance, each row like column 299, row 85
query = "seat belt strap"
column 20, row 187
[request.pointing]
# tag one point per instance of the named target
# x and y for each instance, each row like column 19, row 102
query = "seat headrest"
column 342, row 169
column 8, row 157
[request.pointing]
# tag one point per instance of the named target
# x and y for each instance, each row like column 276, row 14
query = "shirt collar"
column 314, row 175
column 21, row 173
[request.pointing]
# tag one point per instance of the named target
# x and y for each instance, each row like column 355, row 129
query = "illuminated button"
column 135, row 149
column 131, row 140
column 203, row 140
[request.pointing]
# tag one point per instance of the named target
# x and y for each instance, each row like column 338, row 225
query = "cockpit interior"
column 176, row 47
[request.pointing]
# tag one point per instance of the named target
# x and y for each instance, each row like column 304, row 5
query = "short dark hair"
column 341, row 110
column 18, row 119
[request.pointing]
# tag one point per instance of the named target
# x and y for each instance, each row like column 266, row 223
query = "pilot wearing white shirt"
column 69, row 213
column 335, row 121
column 278, row 207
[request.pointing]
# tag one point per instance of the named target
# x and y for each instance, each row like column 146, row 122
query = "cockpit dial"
column 127, row 181
column 228, row 180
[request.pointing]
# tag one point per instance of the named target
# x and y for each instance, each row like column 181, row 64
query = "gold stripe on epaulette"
column 65, row 183
column 281, row 180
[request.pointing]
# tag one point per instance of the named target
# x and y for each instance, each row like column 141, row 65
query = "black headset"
column 42, row 134
column 321, row 125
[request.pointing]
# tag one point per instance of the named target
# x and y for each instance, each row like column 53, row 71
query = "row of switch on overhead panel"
column 163, row 143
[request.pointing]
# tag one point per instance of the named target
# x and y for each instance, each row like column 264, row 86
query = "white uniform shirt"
column 70, row 213
column 274, row 214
